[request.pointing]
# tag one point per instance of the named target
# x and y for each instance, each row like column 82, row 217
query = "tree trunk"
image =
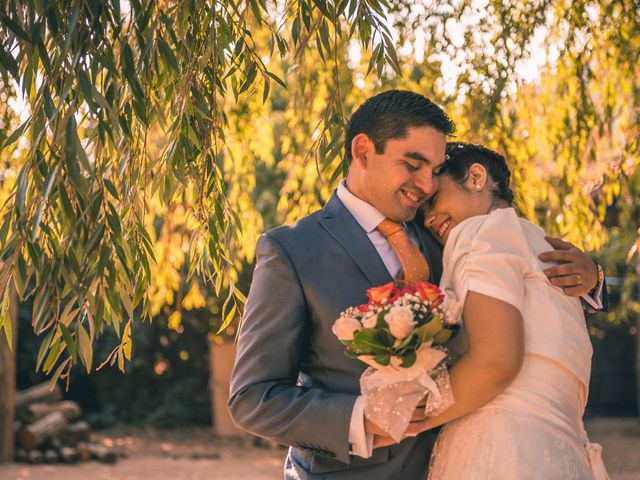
column 8, row 385
column 222, row 357
column 638, row 362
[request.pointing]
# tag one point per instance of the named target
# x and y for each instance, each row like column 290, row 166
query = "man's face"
column 397, row 181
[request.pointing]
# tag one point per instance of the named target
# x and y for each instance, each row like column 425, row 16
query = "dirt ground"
column 194, row 454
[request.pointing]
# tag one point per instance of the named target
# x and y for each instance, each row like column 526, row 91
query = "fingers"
column 382, row 441
column 560, row 256
column 373, row 429
column 415, row 428
column 578, row 291
column 418, row 414
column 558, row 243
column 561, row 270
column 574, row 280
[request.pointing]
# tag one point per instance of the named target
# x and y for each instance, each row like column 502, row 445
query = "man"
column 292, row 382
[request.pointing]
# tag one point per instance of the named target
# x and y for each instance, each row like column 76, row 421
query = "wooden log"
column 37, row 393
column 31, row 436
column 34, row 411
column 76, row 432
column 8, row 383
column 69, row 455
column 51, row 456
column 84, row 451
column 35, row 456
column 102, row 454
column 21, row 455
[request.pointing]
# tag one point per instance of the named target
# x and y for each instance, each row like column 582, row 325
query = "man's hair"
column 390, row 114
column 460, row 156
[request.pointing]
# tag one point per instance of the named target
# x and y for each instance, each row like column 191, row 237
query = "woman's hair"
column 459, row 158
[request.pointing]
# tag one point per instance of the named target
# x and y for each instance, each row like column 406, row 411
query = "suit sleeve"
column 265, row 398
column 598, row 301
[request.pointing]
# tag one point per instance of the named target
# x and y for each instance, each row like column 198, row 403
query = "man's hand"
column 382, row 438
column 577, row 274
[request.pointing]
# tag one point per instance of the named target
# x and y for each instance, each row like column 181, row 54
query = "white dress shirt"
column 369, row 218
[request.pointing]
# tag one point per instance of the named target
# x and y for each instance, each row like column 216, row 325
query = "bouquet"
column 399, row 334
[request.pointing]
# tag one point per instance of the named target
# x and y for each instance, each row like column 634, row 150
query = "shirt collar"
column 365, row 214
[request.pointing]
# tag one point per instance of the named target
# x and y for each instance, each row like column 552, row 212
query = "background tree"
column 160, row 140
column 99, row 78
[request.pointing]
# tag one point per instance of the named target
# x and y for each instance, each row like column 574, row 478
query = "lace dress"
column 534, row 429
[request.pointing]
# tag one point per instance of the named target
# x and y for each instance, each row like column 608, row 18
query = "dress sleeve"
column 492, row 258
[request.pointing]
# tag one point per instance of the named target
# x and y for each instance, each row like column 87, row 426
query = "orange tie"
column 414, row 265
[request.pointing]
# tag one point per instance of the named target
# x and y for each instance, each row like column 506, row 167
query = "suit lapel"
column 341, row 225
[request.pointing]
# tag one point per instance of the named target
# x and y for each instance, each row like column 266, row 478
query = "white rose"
column 400, row 321
column 345, row 327
column 370, row 320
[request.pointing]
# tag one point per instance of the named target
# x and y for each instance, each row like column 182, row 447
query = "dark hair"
column 390, row 114
column 460, row 156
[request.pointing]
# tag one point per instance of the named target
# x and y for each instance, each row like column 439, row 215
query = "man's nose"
column 426, row 182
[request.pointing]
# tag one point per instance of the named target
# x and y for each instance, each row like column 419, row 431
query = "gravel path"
column 196, row 454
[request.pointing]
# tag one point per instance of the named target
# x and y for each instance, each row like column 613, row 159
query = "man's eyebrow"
column 417, row 156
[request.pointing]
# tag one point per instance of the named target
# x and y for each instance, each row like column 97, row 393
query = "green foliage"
column 100, row 80
column 166, row 384
column 161, row 138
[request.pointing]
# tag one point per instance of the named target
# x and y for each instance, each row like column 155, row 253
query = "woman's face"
column 453, row 203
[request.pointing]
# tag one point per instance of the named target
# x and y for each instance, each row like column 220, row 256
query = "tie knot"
column 389, row 227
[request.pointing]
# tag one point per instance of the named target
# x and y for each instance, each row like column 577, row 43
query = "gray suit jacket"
column 292, row 382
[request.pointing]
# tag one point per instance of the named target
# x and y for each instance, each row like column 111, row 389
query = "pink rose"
column 345, row 327
column 400, row 321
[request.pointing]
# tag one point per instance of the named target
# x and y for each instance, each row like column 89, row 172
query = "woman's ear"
column 477, row 178
column 361, row 145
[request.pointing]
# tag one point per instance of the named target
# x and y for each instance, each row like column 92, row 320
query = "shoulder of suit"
column 301, row 228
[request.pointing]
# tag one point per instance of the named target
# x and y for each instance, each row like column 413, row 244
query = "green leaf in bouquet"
column 369, row 340
column 381, row 323
column 409, row 359
column 350, row 353
column 407, row 341
column 383, row 360
column 429, row 330
column 424, row 317
column 442, row 336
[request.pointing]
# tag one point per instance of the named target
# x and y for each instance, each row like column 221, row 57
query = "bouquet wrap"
column 391, row 394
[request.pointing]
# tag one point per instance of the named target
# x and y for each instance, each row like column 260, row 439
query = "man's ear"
column 477, row 179
column 361, row 145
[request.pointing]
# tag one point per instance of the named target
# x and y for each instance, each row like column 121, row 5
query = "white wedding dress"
column 534, row 429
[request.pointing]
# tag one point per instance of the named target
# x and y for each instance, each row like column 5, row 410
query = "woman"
column 521, row 386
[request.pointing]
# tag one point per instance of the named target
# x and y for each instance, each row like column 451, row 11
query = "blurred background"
column 192, row 130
